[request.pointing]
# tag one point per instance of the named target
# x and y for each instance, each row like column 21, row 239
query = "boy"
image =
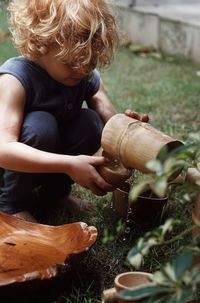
column 46, row 138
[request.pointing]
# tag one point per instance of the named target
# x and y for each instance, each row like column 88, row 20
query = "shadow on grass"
column 73, row 286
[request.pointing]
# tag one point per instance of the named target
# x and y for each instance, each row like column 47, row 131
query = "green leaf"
column 137, row 190
column 182, row 295
column 160, row 187
column 155, row 166
column 168, row 225
column 169, row 164
column 169, row 271
column 141, row 292
column 158, row 299
column 136, row 260
column 179, row 151
column 186, row 295
column 171, row 299
column 197, row 240
column 182, row 262
column 135, row 257
column 163, row 154
column 160, row 278
column 195, row 276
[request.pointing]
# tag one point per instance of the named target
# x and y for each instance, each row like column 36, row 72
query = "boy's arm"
column 101, row 104
column 15, row 155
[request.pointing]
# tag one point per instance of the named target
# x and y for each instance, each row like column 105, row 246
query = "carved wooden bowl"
column 32, row 251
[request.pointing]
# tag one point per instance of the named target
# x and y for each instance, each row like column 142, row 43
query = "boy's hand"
column 82, row 171
column 132, row 114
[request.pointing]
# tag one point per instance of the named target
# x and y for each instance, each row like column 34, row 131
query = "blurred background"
column 171, row 26
column 156, row 2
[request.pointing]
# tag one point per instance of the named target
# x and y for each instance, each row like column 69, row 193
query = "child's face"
column 60, row 71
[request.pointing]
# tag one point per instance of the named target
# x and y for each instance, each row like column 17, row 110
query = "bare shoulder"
column 10, row 86
column 12, row 100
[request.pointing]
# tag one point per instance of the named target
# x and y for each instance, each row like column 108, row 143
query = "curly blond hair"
column 83, row 31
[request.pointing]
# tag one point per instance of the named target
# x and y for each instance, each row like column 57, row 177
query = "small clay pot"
column 114, row 172
column 126, row 280
column 109, row 295
column 146, row 211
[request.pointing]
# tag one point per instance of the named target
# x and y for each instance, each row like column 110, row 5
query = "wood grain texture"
column 30, row 251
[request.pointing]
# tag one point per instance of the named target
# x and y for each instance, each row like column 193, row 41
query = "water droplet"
column 130, row 210
column 127, row 230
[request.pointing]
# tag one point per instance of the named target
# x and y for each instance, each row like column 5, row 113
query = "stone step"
column 174, row 29
column 154, row 2
column 165, row 2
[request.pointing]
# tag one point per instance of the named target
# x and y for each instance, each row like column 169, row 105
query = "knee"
column 40, row 130
column 89, row 131
column 91, row 123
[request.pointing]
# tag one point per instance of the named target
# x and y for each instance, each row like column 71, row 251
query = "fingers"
column 132, row 114
column 99, row 160
column 145, row 118
column 97, row 191
column 100, row 191
column 99, row 186
column 102, row 184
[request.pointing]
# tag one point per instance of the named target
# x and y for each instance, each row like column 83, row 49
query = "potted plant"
column 178, row 280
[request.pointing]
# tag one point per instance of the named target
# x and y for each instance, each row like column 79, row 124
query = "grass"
column 6, row 46
column 168, row 90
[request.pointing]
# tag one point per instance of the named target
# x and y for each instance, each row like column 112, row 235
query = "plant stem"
column 177, row 237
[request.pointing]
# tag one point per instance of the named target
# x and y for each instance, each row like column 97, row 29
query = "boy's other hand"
column 83, row 171
column 132, row 114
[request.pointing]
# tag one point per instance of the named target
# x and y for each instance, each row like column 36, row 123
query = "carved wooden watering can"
column 134, row 143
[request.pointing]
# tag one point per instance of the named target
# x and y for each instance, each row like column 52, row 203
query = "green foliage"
column 110, row 237
column 178, row 280
column 165, row 166
column 78, row 297
column 149, row 240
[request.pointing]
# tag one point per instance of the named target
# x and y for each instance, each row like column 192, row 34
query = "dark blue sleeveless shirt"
column 43, row 93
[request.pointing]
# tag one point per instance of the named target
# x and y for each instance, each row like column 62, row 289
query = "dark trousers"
column 80, row 135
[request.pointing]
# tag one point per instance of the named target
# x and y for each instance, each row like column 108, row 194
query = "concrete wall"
column 166, row 2
column 139, row 27
column 154, row 2
column 171, row 36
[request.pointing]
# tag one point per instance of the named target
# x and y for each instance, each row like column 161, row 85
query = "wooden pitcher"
column 134, row 142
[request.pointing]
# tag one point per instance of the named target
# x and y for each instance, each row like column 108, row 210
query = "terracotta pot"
column 146, row 211
column 134, row 142
column 124, row 281
column 120, row 201
column 114, row 172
